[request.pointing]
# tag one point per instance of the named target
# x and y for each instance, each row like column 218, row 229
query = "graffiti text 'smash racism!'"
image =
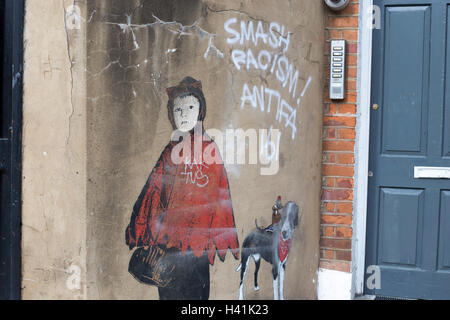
column 277, row 40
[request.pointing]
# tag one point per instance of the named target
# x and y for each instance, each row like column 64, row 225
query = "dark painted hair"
column 187, row 87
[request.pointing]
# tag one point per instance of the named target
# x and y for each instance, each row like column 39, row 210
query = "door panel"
column 406, row 79
column 400, row 211
column 408, row 219
column 446, row 117
column 444, row 232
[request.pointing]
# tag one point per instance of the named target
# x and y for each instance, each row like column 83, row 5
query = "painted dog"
column 273, row 247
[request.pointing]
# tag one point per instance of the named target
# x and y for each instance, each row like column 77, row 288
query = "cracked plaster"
column 105, row 123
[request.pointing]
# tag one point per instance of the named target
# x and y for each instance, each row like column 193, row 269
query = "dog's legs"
column 276, row 278
column 244, row 265
column 276, row 289
column 257, row 258
column 282, row 269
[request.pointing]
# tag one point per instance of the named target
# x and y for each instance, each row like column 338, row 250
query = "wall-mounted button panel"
column 337, row 70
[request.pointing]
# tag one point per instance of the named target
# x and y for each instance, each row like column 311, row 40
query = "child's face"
column 185, row 113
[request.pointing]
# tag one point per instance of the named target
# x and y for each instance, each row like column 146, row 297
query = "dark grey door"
column 11, row 53
column 408, row 227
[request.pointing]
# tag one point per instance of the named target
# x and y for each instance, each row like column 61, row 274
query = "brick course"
column 339, row 134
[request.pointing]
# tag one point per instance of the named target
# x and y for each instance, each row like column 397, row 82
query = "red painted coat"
column 185, row 206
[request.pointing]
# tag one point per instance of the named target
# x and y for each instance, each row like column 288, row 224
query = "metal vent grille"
column 336, row 90
column 390, row 298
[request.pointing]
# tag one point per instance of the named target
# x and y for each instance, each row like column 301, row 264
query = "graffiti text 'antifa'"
column 276, row 63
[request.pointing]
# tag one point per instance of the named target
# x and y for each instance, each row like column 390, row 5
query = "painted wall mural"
column 272, row 244
column 184, row 215
column 203, row 117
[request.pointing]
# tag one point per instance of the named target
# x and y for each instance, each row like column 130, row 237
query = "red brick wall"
column 338, row 148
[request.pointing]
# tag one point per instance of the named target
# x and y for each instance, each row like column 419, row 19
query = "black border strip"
column 12, row 99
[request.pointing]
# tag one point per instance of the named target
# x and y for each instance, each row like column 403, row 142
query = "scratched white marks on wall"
column 173, row 27
column 271, row 58
column 130, row 36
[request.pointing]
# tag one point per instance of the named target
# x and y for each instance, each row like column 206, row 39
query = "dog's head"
column 289, row 220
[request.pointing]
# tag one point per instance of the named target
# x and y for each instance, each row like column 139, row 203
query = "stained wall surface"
column 102, row 81
column 54, row 155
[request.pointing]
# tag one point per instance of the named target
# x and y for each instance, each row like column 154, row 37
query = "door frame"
column 362, row 147
column 12, row 98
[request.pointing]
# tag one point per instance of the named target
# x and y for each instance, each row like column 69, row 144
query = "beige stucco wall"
column 94, row 128
column 54, row 155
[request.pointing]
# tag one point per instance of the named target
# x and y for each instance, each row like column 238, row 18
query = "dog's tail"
column 239, row 267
